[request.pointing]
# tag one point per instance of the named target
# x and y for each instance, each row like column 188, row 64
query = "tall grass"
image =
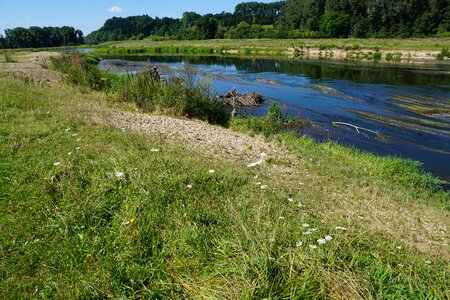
column 183, row 94
column 80, row 70
column 8, row 56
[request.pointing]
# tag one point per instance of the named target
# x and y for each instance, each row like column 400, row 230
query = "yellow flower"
column 132, row 220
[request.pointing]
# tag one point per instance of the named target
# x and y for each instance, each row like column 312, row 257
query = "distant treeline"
column 35, row 37
column 290, row 19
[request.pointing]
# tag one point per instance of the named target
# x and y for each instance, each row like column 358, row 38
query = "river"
column 408, row 104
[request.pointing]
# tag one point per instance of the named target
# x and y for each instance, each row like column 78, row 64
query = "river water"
column 409, row 105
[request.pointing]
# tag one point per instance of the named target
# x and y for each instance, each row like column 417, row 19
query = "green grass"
column 182, row 95
column 434, row 44
column 76, row 230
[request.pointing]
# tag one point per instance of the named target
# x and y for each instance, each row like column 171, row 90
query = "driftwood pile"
column 236, row 99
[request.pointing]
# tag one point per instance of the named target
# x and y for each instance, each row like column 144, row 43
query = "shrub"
column 274, row 122
column 444, row 53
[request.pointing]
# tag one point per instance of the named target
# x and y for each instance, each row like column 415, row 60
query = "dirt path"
column 212, row 140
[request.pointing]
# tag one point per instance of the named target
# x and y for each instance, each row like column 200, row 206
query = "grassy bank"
column 389, row 50
column 92, row 211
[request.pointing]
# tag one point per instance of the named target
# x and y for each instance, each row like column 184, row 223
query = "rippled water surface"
column 408, row 105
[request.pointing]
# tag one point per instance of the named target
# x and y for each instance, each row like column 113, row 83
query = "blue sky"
column 90, row 15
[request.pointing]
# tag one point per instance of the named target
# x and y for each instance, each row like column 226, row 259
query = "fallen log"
column 236, row 99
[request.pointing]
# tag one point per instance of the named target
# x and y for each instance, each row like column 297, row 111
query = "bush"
column 303, row 34
column 444, row 53
column 274, row 122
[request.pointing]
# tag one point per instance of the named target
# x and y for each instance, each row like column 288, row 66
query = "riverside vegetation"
column 91, row 211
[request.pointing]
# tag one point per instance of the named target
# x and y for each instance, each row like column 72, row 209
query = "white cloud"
column 115, row 10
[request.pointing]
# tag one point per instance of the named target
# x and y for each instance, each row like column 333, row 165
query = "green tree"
column 335, row 24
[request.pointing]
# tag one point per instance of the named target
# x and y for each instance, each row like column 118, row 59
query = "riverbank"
column 386, row 50
column 113, row 202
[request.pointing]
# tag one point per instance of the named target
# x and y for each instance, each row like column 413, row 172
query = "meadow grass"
column 435, row 44
column 89, row 211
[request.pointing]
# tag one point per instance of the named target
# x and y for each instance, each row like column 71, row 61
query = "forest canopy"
column 281, row 19
column 36, row 37
column 291, row 19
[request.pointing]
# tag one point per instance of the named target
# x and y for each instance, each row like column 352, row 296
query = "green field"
column 372, row 44
column 91, row 211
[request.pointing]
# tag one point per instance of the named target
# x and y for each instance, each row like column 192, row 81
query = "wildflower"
column 321, row 241
column 399, row 247
column 154, row 150
column 70, row 153
column 56, row 164
column 67, row 129
column 263, row 187
column 328, row 237
column 255, row 164
column 125, row 223
column 77, row 148
column 281, row 218
column 75, row 134
column 313, row 229
column 132, row 220
column 258, row 183
column 120, row 174
column 300, row 204
column 189, row 187
column 263, row 154
column 298, row 244
column 340, row 228
column 211, row 171
column 290, row 200
column 312, row 247
column 307, row 232
column 78, row 140
column 305, row 225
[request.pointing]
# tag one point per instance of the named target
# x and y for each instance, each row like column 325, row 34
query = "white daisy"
column 56, row 164
column 321, row 241
column 120, row 174
column 340, row 228
column 211, row 171
column 328, row 237
column 298, row 244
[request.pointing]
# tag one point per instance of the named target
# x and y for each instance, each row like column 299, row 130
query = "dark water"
column 408, row 105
